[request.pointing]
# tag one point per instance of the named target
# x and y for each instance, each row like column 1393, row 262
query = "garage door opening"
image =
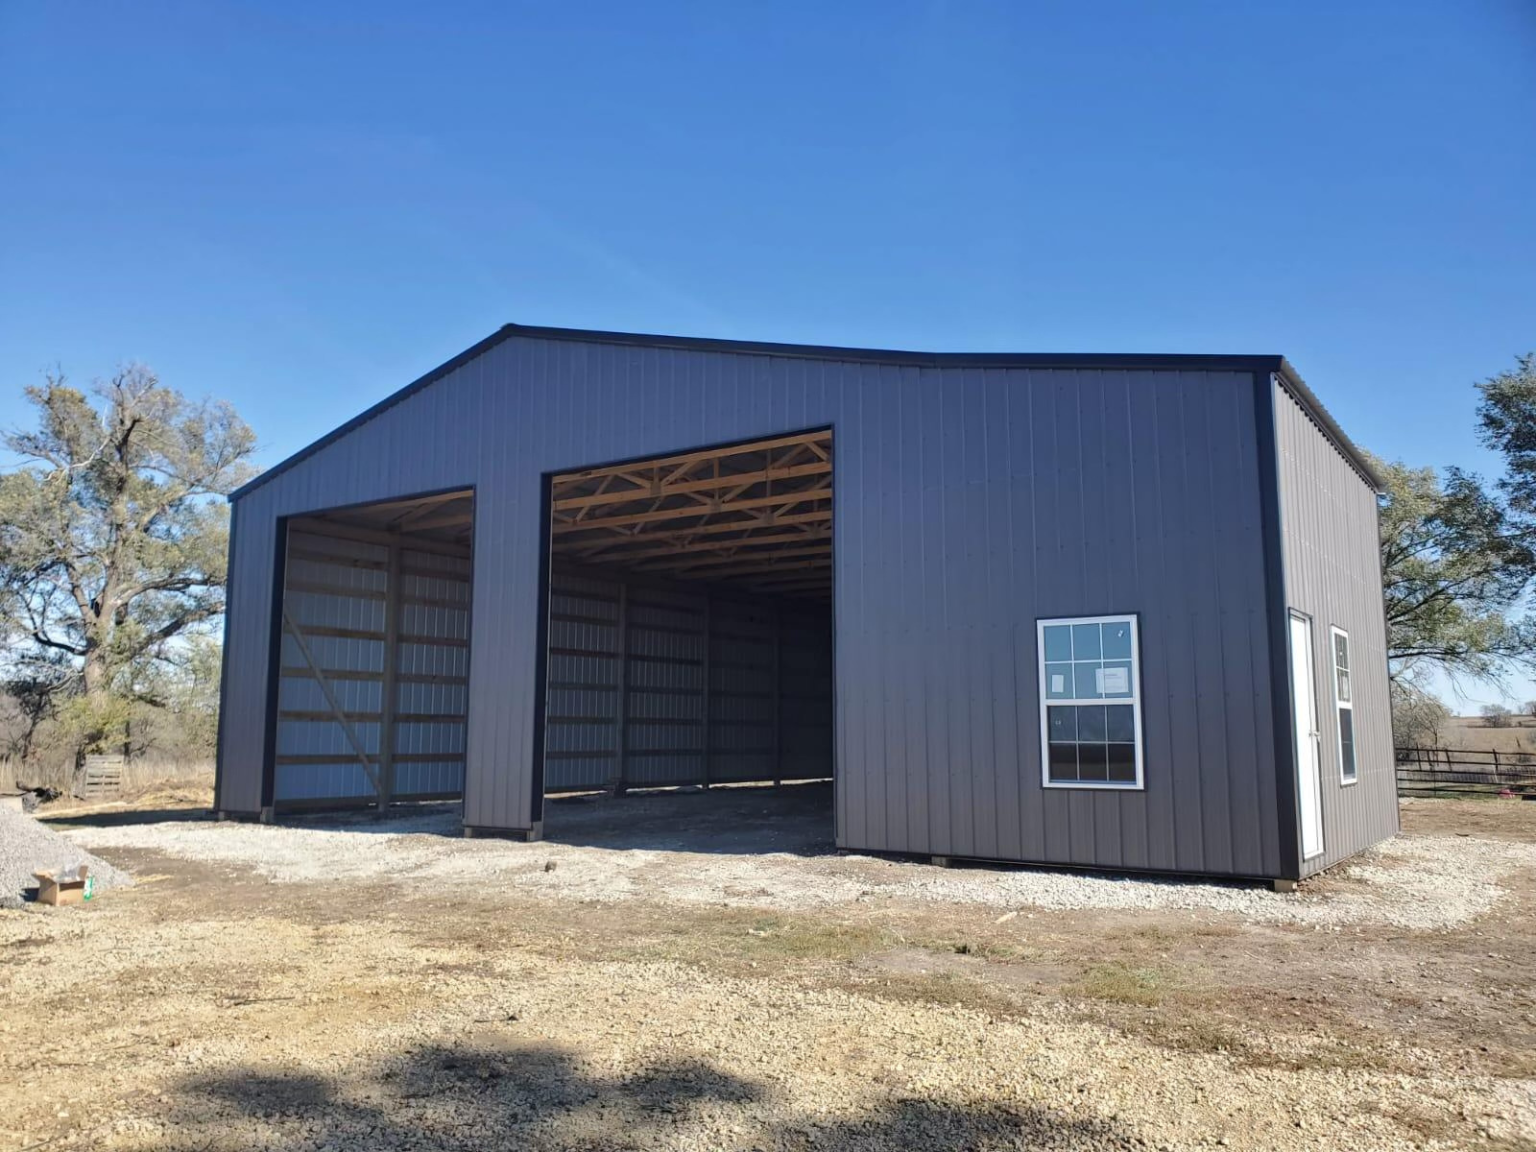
column 690, row 625
column 370, row 703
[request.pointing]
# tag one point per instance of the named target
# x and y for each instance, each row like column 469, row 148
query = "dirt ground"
column 722, row 981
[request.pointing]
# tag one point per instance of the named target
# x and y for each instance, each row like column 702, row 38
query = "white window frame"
column 1334, row 632
column 1134, row 700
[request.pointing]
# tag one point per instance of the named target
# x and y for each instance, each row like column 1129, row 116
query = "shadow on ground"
column 740, row 820
column 538, row 1097
column 747, row 820
column 125, row 818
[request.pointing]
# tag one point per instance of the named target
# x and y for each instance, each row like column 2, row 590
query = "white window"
column 1090, row 703
column 1344, row 705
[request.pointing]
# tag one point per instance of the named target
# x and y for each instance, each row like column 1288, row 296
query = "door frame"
column 1306, row 803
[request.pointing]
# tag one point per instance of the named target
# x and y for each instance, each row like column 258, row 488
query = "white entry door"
column 1308, row 754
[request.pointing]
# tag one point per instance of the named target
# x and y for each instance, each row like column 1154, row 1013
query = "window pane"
column 1085, row 642
column 1347, row 743
column 1117, row 640
column 1122, row 762
column 1116, row 678
column 1088, row 690
column 1087, row 680
column 1343, row 686
column 1058, row 642
column 1093, row 761
column 1058, row 681
column 1340, row 650
column 1063, row 761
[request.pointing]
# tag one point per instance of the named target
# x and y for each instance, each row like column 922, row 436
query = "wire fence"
column 1465, row 772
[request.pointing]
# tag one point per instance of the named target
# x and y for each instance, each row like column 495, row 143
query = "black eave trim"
column 1093, row 360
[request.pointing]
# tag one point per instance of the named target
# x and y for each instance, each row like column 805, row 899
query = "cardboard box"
column 75, row 889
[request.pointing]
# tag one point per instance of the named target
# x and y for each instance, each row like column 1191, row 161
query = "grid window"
column 1344, row 705
column 1090, row 703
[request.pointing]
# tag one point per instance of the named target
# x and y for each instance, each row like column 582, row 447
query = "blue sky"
column 302, row 207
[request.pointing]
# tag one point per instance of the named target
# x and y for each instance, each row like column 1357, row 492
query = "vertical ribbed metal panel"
column 665, row 727
column 665, row 717
column 741, row 691
column 337, row 585
column 805, row 695
column 581, row 742
column 1333, row 574
column 434, row 636
column 969, row 503
column 333, row 585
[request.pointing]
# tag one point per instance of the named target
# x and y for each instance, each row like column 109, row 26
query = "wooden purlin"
column 617, row 540
column 564, row 526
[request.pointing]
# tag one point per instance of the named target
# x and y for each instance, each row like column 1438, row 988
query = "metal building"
column 1102, row 610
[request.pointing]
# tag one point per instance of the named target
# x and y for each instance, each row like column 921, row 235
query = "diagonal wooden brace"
column 330, row 698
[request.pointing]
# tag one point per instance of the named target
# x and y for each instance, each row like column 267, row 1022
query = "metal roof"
column 1092, row 360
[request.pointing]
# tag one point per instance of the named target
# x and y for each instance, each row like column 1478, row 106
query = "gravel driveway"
column 772, row 849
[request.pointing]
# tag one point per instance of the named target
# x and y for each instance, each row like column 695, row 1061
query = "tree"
column 113, row 541
column 1456, row 565
column 1506, row 414
column 1417, row 716
column 1496, row 716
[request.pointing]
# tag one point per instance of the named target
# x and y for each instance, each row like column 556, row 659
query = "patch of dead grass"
column 1121, row 983
column 733, row 938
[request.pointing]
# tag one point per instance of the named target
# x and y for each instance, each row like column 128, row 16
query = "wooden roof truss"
column 757, row 515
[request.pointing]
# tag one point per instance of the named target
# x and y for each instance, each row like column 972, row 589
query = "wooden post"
column 709, row 730
column 621, row 709
column 387, row 689
column 778, row 692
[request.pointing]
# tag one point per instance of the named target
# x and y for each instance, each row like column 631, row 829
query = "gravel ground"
column 723, row 983
column 761, row 852
column 318, row 1037
column 27, row 847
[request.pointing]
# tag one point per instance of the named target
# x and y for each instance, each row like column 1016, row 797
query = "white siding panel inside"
column 336, row 591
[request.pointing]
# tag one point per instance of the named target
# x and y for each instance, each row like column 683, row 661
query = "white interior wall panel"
column 581, row 742
column 337, row 591
column 673, row 732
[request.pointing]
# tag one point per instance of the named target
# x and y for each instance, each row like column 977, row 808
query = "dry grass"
column 1123, row 984
column 1473, row 733
column 144, row 779
column 751, row 939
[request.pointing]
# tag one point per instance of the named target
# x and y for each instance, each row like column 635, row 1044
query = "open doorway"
column 372, row 632
column 690, row 634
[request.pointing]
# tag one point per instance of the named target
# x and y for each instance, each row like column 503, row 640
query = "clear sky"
column 301, row 207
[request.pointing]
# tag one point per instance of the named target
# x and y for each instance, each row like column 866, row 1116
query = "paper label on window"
column 1113, row 681
column 1058, row 683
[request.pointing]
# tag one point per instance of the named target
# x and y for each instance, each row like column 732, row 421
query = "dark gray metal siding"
column 970, row 501
column 1333, row 574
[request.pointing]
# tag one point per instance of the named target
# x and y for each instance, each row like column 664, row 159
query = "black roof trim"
column 1297, row 387
column 1141, row 361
